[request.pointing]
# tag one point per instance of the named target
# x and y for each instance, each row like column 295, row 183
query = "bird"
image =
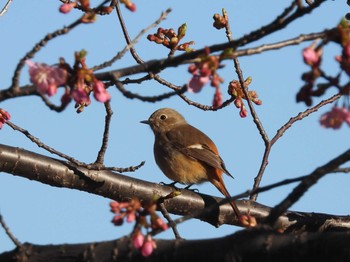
column 185, row 154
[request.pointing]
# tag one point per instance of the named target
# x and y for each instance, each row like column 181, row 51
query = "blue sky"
column 42, row 214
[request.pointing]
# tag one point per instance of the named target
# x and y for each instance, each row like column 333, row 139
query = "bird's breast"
column 179, row 167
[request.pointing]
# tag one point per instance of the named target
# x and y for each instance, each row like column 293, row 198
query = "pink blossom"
column 46, row 78
column 130, row 217
column 138, row 239
column 196, row 83
column 80, row 96
column 148, row 247
column 131, row 6
column 160, row 224
column 344, row 59
column 335, row 118
column 115, row 206
column 218, row 97
column 4, row 117
column 243, row 112
column 311, row 56
column 100, row 92
column 65, row 8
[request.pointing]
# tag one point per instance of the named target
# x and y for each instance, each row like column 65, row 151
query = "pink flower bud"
column 218, row 97
column 311, row 56
column 243, row 113
column 159, row 223
column 65, row 8
column 138, row 239
column 131, row 6
column 4, row 117
column 100, row 93
column 115, row 206
column 205, row 71
column 192, row 69
column 148, row 247
column 130, row 217
column 238, row 102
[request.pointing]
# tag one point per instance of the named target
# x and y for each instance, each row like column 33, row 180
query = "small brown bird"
column 184, row 153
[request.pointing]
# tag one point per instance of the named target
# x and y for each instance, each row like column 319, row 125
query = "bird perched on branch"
column 185, row 154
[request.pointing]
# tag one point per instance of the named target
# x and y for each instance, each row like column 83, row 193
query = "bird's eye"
column 163, row 117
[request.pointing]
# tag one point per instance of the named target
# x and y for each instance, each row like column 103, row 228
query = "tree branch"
column 115, row 186
column 247, row 245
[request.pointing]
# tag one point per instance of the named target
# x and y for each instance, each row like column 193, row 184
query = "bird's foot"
column 172, row 184
column 193, row 190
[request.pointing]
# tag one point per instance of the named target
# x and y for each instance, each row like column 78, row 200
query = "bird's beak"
column 145, row 122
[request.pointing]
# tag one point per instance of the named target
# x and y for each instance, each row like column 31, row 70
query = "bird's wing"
column 196, row 144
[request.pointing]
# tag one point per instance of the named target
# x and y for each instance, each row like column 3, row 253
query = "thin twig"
column 170, row 220
column 125, row 169
column 9, row 233
column 244, row 88
column 37, row 47
column 156, row 77
column 280, row 133
column 133, row 52
column 5, row 8
column 342, row 170
column 42, row 145
column 151, row 99
column 42, row 43
column 52, row 106
column 305, row 184
column 302, row 115
column 71, row 159
column 134, row 41
column 104, row 145
column 278, row 45
column 246, row 94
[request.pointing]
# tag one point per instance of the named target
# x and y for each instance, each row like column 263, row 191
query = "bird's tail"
column 219, row 184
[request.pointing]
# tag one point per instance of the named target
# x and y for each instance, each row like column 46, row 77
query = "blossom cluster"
column 203, row 72
column 219, row 21
column 84, row 5
column 336, row 117
column 46, row 78
column 235, row 90
column 78, row 81
column 170, row 39
column 312, row 56
column 4, row 117
column 145, row 217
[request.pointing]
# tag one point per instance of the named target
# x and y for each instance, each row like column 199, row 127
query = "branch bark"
column 58, row 173
column 247, row 245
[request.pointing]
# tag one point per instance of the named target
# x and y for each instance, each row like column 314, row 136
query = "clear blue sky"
column 42, row 214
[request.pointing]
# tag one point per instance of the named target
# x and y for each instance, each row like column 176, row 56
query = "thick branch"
column 119, row 187
column 247, row 245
